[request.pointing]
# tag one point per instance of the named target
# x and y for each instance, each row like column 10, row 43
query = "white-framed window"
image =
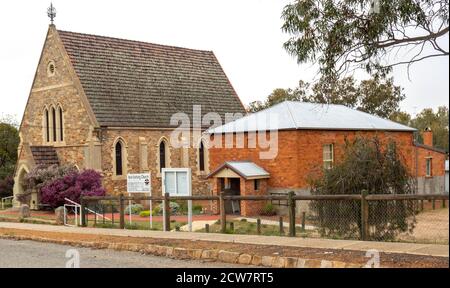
column 328, row 156
column 429, row 167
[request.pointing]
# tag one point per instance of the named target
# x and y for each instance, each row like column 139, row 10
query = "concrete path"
column 388, row 247
column 197, row 225
column 274, row 223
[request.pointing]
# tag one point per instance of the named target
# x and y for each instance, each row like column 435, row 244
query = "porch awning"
column 245, row 169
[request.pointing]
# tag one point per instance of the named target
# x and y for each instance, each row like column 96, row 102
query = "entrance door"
column 234, row 189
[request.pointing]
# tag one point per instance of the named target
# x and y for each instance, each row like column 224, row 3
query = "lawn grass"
column 249, row 228
column 138, row 225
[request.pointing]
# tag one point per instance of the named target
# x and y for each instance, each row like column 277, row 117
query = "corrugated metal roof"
column 246, row 169
column 301, row 115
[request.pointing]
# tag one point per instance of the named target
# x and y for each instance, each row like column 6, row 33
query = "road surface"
column 29, row 254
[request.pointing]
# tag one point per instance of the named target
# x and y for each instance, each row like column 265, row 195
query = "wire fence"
column 403, row 218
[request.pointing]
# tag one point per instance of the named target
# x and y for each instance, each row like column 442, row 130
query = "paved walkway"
column 387, row 247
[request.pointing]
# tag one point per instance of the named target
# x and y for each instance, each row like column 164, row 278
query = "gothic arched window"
column 61, row 127
column 54, row 123
column 201, row 157
column 47, row 125
column 162, row 155
column 119, row 158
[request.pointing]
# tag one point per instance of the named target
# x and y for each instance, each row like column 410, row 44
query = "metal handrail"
column 92, row 211
column 4, row 200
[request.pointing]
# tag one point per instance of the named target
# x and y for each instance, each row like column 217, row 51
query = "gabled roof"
column 44, row 155
column 311, row 116
column 137, row 84
column 245, row 169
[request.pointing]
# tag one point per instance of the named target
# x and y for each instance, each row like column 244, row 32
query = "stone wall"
column 62, row 89
column 134, row 139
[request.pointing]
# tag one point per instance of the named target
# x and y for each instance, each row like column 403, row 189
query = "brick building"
column 310, row 137
column 106, row 104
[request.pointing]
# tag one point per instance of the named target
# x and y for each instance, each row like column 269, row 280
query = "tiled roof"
column 290, row 115
column 137, row 84
column 44, row 155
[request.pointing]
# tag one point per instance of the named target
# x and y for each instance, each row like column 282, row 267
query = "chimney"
column 428, row 137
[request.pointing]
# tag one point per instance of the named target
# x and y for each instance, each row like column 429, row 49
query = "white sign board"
column 139, row 183
column 177, row 181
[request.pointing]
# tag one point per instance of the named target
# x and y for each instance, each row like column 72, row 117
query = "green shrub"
column 269, row 210
column 197, row 209
column 135, row 209
column 156, row 211
column 145, row 213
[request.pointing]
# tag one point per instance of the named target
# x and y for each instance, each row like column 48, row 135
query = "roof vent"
column 51, row 69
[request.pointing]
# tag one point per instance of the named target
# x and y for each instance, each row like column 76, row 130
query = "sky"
column 245, row 36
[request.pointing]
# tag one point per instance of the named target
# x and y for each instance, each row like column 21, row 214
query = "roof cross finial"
column 51, row 12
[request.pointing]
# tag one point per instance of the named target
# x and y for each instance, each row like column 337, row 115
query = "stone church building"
column 105, row 104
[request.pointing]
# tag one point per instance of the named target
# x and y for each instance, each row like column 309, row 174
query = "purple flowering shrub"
column 40, row 175
column 72, row 186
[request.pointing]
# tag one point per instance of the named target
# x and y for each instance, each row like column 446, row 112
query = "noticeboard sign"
column 139, row 183
column 177, row 181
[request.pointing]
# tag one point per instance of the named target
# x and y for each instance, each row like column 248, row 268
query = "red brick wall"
column 300, row 153
column 251, row 208
column 438, row 162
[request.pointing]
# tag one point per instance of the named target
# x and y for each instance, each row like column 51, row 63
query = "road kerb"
column 200, row 254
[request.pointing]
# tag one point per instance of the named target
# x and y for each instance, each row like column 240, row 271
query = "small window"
column 118, row 153
column 328, row 156
column 429, row 167
column 256, row 184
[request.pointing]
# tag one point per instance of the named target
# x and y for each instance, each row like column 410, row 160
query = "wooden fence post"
column 122, row 212
column 223, row 216
column 303, row 221
column 434, row 204
column 167, row 213
column 421, row 205
column 281, row 226
column 206, row 228
column 83, row 212
column 364, row 216
column 291, row 203
column 443, row 203
column 232, row 226
column 258, row 226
